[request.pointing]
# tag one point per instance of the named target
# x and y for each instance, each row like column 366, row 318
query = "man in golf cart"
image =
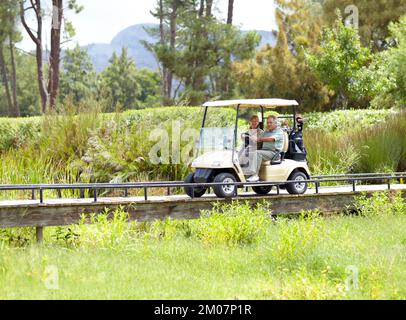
column 272, row 144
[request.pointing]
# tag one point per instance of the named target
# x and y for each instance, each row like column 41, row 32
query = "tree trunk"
column 172, row 43
column 341, row 101
column 209, row 6
column 230, row 12
column 16, row 107
column 37, row 39
column 54, row 58
column 3, row 70
column 201, row 8
column 225, row 82
column 41, row 79
column 162, row 43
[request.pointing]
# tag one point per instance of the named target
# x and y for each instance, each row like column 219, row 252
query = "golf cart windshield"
column 218, row 134
column 216, row 139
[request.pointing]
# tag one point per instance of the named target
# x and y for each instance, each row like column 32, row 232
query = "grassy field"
column 230, row 253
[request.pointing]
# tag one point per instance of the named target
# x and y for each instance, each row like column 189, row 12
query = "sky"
column 101, row 20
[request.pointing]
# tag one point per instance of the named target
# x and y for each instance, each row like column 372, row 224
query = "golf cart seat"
column 280, row 156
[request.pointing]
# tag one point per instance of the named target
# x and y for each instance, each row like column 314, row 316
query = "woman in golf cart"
column 273, row 142
column 253, row 131
column 248, row 137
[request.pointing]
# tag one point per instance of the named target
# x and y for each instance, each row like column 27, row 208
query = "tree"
column 121, row 84
column 376, row 82
column 339, row 60
column 397, row 59
column 78, row 77
column 282, row 71
column 27, row 89
column 5, row 80
column 54, row 57
column 118, row 82
column 30, row 102
column 48, row 88
column 384, row 80
column 149, row 83
column 167, row 11
column 196, row 47
column 36, row 37
column 203, row 60
column 230, row 12
column 303, row 21
column 8, row 37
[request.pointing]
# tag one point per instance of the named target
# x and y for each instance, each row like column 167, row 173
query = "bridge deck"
column 60, row 212
column 178, row 198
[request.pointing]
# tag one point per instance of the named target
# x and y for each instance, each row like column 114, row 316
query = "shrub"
column 329, row 153
column 382, row 147
column 336, row 121
column 233, row 224
column 380, row 204
column 108, row 230
column 16, row 237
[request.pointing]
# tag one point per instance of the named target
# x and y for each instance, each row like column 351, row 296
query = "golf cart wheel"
column 193, row 192
column 297, row 187
column 225, row 191
column 262, row 190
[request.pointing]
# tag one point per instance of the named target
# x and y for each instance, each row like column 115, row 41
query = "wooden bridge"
column 61, row 212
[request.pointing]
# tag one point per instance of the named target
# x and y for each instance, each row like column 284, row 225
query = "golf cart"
column 219, row 148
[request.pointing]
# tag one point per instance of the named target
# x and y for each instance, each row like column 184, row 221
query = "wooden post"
column 39, row 234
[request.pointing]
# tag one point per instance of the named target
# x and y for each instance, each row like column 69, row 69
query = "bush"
column 382, row 147
column 381, row 204
column 343, row 120
column 15, row 133
column 16, row 237
column 233, row 224
column 108, row 230
column 377, row 148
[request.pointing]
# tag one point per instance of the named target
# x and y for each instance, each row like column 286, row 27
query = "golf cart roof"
column 252, row 103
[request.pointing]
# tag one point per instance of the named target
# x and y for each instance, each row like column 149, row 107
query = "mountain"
column 132, row 37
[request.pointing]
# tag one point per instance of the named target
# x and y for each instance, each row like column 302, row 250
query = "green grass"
column 230, row 253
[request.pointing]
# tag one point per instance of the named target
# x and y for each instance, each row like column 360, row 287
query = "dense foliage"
column 78, row 78
column 339, row 59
